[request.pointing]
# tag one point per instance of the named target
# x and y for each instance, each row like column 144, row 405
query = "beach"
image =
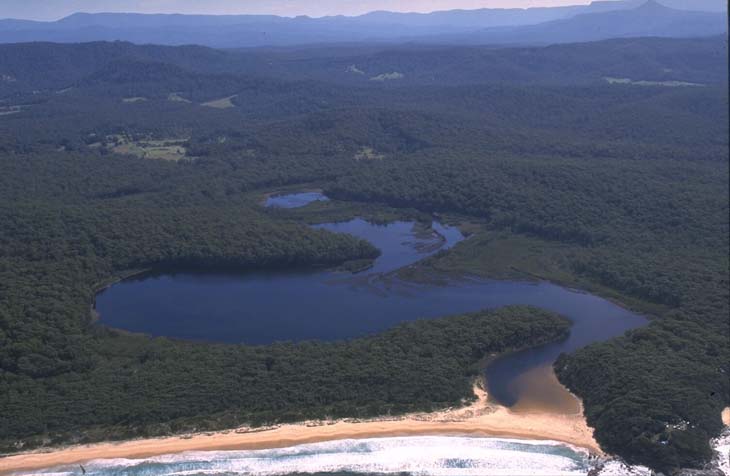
column 481, row 418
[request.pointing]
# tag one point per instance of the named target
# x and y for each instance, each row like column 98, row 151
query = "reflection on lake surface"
column 264, row 307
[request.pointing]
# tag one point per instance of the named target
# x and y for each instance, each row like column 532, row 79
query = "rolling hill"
column 29, row 67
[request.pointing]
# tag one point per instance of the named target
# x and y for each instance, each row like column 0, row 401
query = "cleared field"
column 175, row 97
column 388, row 76
column 222, row 103
column 671, row 84
column 368, row 153
column 354, row 69
column 161, row 149
column 8, row 110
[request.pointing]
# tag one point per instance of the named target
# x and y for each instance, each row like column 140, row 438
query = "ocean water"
column 419, row 456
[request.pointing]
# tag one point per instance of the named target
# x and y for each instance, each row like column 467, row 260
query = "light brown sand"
column 544, row 392
column 482, row 418
column 726, row 416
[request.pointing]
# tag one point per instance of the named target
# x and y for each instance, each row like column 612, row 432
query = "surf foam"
column 419, row 456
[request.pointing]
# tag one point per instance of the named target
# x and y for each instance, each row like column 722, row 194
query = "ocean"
column 416, row 455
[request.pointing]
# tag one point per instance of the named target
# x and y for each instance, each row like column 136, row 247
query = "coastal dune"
column 481, row 418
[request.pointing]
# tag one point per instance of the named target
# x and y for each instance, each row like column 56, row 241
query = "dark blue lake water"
column 263, row 307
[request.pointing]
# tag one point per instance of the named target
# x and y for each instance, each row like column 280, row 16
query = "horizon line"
column 577, row 3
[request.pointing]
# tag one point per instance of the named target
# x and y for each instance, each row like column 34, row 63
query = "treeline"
column 136, row 386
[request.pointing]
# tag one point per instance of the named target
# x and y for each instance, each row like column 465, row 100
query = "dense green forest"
column 616, row 188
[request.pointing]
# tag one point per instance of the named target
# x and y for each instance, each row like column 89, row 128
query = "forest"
column 618, row 189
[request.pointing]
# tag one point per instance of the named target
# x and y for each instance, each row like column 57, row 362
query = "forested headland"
column 616, row 188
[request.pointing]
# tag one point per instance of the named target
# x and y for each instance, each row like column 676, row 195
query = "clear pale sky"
column 54, row 9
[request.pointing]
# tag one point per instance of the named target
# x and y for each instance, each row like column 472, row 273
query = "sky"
column 55, row 9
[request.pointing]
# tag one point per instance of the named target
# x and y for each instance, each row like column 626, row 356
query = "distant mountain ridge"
column 599, row 20
column 650, row 19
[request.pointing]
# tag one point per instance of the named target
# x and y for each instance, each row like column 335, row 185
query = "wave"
column 418, row 456
column 721, row 446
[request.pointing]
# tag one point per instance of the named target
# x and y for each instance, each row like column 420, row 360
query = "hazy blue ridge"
column 598, row 20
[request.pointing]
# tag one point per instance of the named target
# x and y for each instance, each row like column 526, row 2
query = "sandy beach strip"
column 482, row 418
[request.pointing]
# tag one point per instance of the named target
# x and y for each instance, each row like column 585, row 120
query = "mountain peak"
column 652, row 6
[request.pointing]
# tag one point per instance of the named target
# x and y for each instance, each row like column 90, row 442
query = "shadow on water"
column 296, row 305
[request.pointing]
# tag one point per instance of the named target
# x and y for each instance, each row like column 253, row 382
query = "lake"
column 263, row 307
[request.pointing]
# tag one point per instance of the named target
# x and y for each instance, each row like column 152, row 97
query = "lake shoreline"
column 99, row 288
column 482, row 418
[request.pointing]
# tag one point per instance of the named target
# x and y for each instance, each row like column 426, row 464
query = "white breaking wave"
column 419, row 456
column 722, row 447
column 618, row 468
